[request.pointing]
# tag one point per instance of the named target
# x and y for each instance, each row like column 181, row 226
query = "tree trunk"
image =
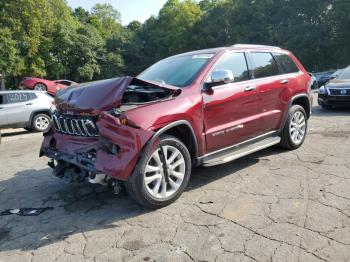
column 2, row 77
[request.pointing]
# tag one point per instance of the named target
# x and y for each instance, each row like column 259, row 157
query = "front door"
column 230, row 110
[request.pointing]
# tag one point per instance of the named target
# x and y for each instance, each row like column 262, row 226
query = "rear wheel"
column 40, row 87
column 41, row 122
column 294, row 131
column 161, row 176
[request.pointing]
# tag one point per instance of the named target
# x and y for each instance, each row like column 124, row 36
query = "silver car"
column 27, row 109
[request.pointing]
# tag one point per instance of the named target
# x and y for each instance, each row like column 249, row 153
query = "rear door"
column 19, row 107
column 230, row 110
column 271, row 86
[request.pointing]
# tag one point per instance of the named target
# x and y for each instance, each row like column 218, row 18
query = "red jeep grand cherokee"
column 205, row 108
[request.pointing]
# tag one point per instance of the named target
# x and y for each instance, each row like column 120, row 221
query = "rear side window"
column 285, row 63
column 237, row 63
column 264, row 65
column 19, row 97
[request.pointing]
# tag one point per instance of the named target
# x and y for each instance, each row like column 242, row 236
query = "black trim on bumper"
column 75, row 159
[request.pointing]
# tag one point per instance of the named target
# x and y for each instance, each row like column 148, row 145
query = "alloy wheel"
column 40, row 87
column 297, row 127
column 42, row 123
column 160, row 184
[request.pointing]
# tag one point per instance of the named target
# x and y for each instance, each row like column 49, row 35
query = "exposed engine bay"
column 136, row 95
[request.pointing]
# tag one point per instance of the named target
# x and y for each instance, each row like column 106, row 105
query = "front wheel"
column 41, row 123
column 161, row 176
column 294, row 130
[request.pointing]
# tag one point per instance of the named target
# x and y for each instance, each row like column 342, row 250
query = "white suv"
column 27, row 109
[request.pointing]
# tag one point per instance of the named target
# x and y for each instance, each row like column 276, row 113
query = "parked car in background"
column 206, row 107
column 337, row 73
column 314, row 81
column 324, row 77
column 49, row 86
column 336, row 93
column 25, row 109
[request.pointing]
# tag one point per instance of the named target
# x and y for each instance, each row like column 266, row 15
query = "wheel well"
column 185, row 134
column 304, row 102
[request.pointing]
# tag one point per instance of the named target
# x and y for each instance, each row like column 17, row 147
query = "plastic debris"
column 25, row 211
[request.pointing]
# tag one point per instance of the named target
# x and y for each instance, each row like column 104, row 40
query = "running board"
column 239, row 151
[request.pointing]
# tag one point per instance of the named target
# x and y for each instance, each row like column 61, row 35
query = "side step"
column 239, row 151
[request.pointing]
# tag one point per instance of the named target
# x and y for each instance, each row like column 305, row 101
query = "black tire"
column 37, row 127
column 286, row 137
column 136, row 188
column 40, row 87
column 326, row 107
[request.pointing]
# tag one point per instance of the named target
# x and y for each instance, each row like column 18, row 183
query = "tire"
column 152, row 195
column 293, row 139
column 326, row 107
column 41, row 122
column 40, row 87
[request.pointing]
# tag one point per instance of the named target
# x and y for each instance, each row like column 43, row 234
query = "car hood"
column 94, row 97
column 339, row 83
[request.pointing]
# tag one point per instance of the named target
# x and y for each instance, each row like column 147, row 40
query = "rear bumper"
column 341, row 101
column 114, row 153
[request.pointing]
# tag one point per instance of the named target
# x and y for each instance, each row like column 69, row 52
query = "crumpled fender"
column 130, row 140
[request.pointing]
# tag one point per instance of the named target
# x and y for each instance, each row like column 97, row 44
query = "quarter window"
column 264, row 65
column 285, row 63
column 237, row 64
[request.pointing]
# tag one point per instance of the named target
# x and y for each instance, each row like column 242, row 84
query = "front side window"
column 179, row 71
column 237, row 64
column 264, row 65
column 285, row 63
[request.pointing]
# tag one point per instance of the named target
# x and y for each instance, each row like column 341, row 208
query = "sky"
column 130, row 9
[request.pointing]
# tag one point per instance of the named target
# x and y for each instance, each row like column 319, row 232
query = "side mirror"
column 218, row 77
column 222, row 77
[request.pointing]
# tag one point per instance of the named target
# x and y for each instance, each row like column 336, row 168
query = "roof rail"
column 255, row 46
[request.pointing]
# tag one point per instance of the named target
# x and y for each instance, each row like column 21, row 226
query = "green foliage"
column 46, row 38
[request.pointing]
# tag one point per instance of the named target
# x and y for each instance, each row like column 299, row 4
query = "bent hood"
column 339, row 83
column 93, row 97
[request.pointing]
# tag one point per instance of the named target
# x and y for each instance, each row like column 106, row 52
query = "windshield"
column 345, row 74
column 179, row 71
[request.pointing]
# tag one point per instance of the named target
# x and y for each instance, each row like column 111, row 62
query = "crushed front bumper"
column 114, row 153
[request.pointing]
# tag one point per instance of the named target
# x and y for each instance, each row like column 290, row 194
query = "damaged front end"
column 91, row 135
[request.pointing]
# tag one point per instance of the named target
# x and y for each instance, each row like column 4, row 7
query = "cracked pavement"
column 274, row 205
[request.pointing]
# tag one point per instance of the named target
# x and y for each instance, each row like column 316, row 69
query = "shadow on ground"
column 80, row 207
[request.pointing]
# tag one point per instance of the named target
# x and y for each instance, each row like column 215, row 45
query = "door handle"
column 285, row 81
column 249, row 88
column 29, row 104
column 1, row 108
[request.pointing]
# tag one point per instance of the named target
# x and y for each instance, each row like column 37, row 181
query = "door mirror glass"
column 222, row 76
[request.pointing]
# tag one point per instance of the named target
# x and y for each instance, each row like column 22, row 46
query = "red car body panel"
column 216, row 117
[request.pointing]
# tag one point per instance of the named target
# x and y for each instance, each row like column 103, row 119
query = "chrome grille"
column 339, row 92
column 78, row 126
